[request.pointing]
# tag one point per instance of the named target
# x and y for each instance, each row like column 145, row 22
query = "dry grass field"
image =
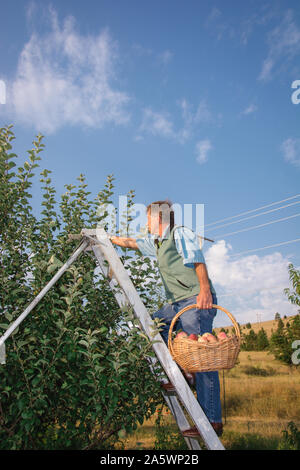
column 262, row 395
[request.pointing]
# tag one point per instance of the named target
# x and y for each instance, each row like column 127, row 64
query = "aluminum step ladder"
column 98, row 241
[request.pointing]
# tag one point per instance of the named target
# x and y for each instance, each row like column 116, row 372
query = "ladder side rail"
column 2, row 354
column 161, row 350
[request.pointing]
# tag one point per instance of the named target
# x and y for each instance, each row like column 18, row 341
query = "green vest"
column 180, row 281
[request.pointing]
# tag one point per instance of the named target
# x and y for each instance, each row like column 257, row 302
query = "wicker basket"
column 193, row 356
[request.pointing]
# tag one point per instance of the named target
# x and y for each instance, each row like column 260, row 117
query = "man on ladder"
column 186, row 282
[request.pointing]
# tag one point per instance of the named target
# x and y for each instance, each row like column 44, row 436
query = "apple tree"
column 76, row 375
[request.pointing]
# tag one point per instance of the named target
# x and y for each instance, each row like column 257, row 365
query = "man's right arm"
column 144, row 245
column 125, row 242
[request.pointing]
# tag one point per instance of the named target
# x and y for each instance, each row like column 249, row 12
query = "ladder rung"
column 168, row 387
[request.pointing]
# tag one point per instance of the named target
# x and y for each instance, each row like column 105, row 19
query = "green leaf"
column 53, row 259
column 52, row 268
column 68, row 300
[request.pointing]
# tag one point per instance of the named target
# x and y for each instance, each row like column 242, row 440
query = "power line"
column 257, row 226
column 265, row 247
column 256, row 215
column 248, row 292
column 253, row 210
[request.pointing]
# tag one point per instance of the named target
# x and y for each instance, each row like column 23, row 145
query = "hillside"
column 268, row 326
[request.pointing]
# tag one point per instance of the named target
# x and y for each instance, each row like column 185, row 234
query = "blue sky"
column 189, row 101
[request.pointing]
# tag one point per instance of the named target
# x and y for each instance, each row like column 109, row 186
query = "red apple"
column 193, row 336
column 211, row 338
column 181, row 334
column 222, row 335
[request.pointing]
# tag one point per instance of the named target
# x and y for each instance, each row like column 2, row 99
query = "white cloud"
column 262, row 15
column 65, row 78
column 31, row 10
column 250, row 109
column 251, row 284
column 203, row 114
column 158, row 124
column 291, row 151
column 141, row 50
column 165, row 57
column 191, row 119
column 241, row 27
column 138, row 138
column 267, row 66
column 284, row 44
column 216, row 23
column 162, row 123
column 202, row 149
column 161, row 58
column 215, row 13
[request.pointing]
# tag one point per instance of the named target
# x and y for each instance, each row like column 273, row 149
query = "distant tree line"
column 280, row 343
column 255, row 341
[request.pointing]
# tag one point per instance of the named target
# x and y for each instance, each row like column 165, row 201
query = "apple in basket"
column 193, row 336
column 181, row 334
column 222, row 335
column 210, row 337
column 202, row 339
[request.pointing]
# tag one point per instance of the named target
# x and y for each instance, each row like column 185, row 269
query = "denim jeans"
column 197, row 321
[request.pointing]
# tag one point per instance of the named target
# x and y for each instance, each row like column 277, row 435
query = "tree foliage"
column 255, row 341
column 76, row 376
column 293, row 293
column 283, row 339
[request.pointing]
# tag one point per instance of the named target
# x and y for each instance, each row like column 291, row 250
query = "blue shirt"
column 186, row 242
